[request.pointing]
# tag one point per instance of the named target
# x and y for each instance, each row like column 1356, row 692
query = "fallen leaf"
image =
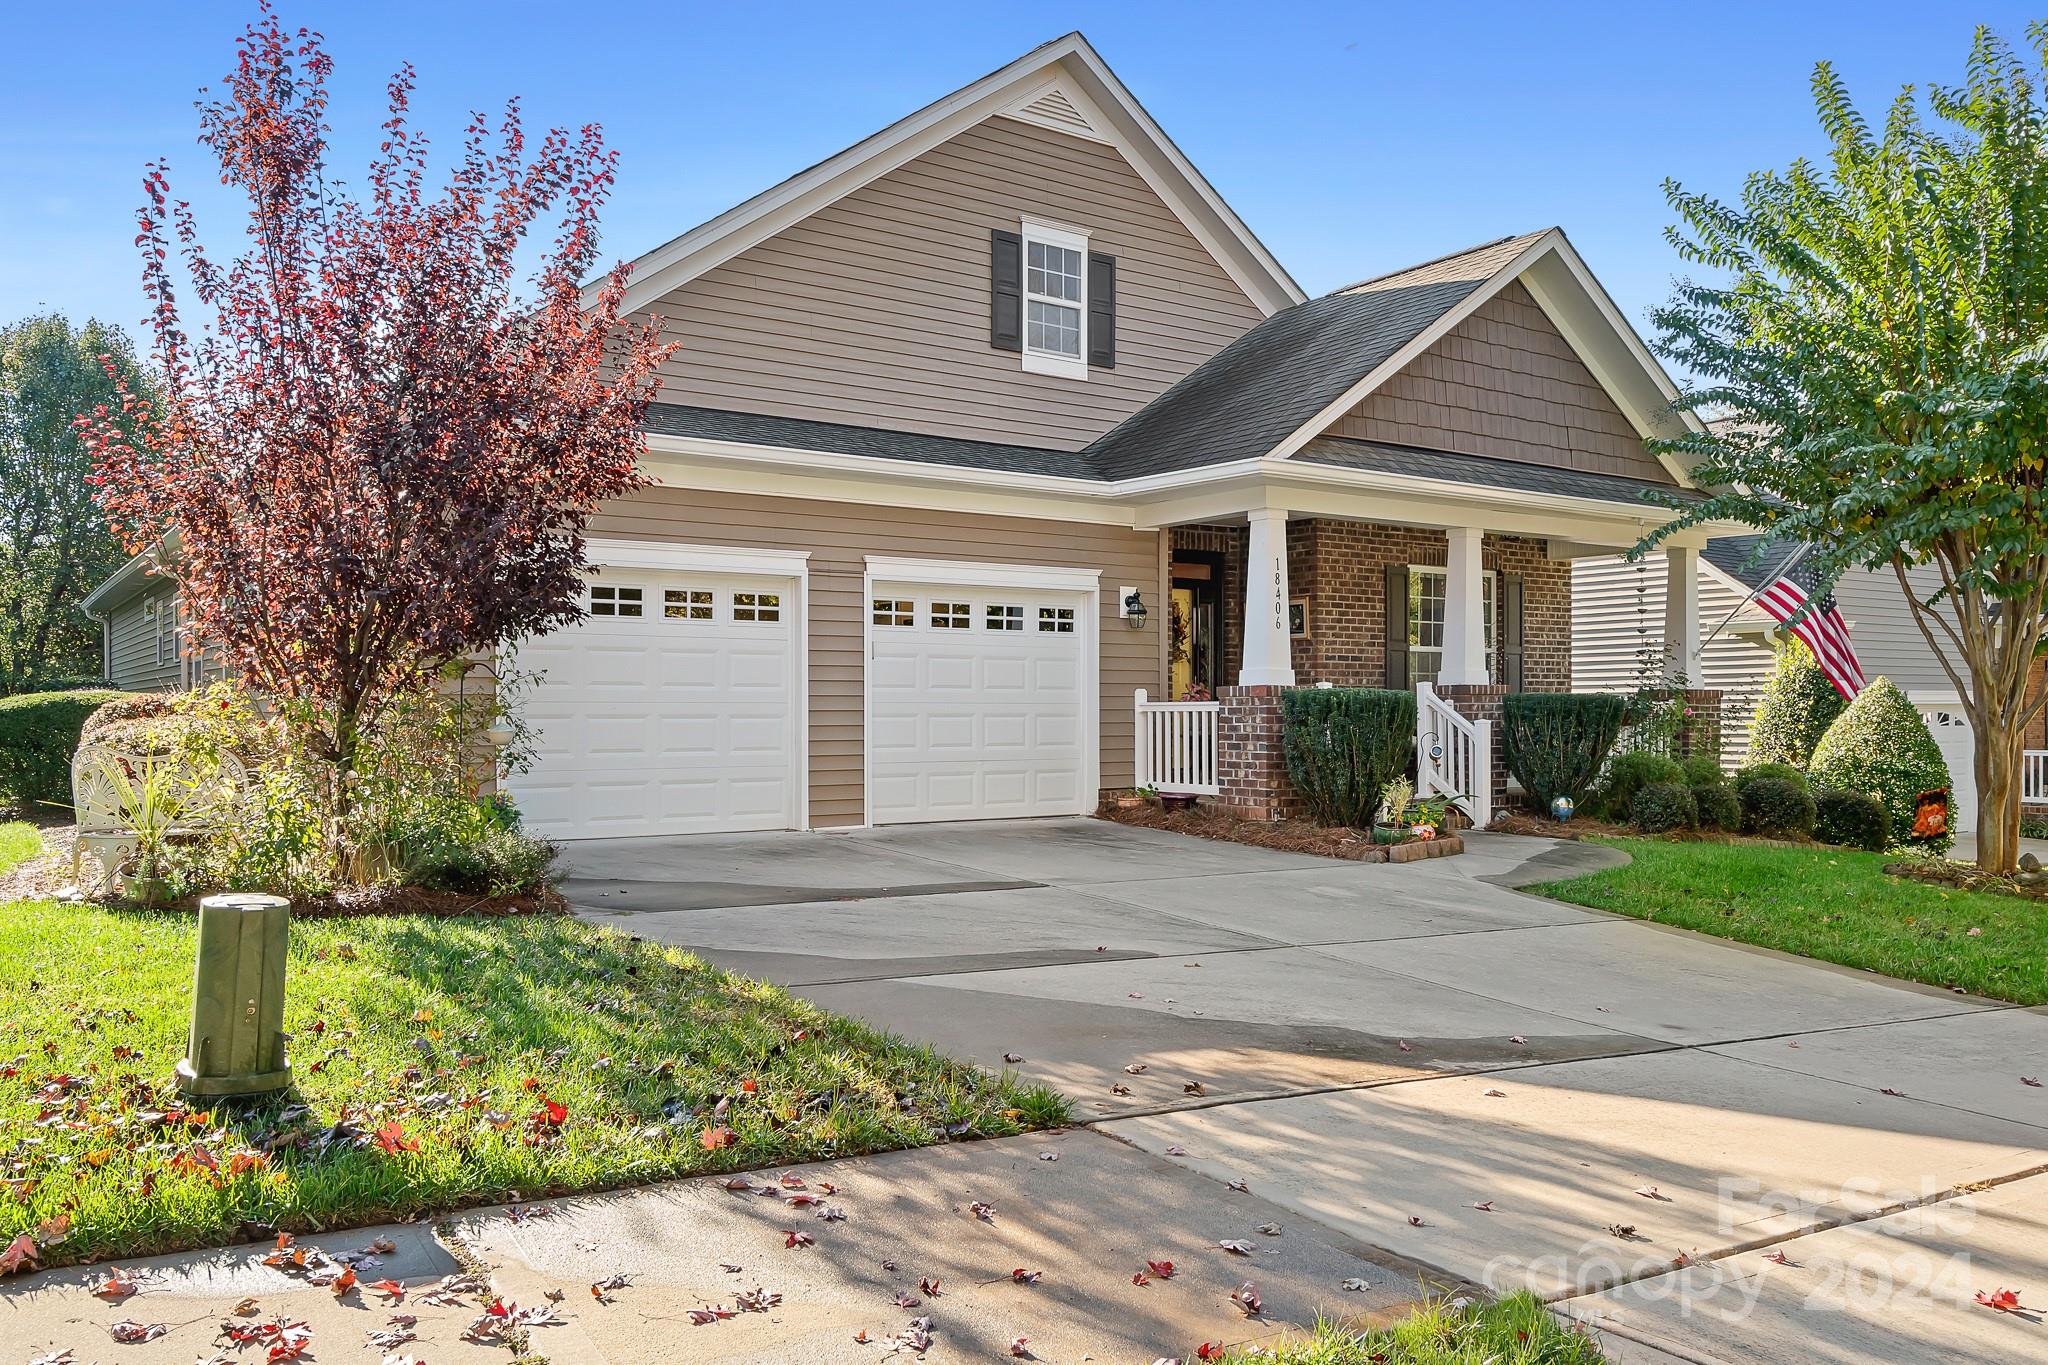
column 1019, row 1349
column 2034, row 1081
column 1356, row 1286
column 1237, row 1185
column 1625, row 1231
column 929, row 1286
column 1269, row 1229
column 130, row 1333
column 1415, row 1222
column 1160, row 1269
column 1023, row 1276
column 1495, row 1094
column 118, row 1285
column 247, row 1308
column 391, row 1138
column 1194, row 1088
column 715, row 1138
column 1176, row 1150
column 1778, row 1258
column 2004, row 1301
column 1484, row 1206
column 1236, row 1248
column 1119, row 1088
column 1403, row 1045
column 1895, row 1094
column 1137, row 1068
column 1048, row 1156
column 1247, row 1299
column 21, row 1251
column 985, row 1212
column 1013, row 1058
column 1519, row 1041
column 1651, row 1192
column 792, row 1238
column 343, row 1282
column 392, row 1290
column 704, row 1316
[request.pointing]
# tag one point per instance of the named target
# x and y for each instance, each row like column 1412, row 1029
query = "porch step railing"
column 2034, row 777
column 1453, row 755
column 1177, row 746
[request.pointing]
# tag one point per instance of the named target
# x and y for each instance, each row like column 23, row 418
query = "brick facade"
column 1250, row 767
column 2037, row 733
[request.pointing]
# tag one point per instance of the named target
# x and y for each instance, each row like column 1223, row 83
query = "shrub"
column 1720, row 808
column 124, row 707
column 1798, row 705
column 1343, row 745
column 1881, row 745
column 1777, row 772
column 1852, row 819
column 1629, row 774
column 1555, row 742
column 475, row 848
column 38, row 733
column 1662, row 806
column 1702, row 770
column 1776, row 808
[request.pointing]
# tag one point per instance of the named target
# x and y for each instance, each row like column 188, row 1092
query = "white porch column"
column 1464, row 611
column 1267, row 662
column 1682, row 614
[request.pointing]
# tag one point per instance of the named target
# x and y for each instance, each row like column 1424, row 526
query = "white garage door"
column 1950, row 727
column 670, row 709
column 979, row 703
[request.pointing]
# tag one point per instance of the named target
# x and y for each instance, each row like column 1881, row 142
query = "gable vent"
column 1055, row 111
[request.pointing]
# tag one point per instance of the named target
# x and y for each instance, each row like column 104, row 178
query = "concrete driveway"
column 1633, row 1121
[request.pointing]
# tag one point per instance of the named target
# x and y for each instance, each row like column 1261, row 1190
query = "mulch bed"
column 1963, row 877
column 1584, row 827
column 48, row 877
column 1286, row 836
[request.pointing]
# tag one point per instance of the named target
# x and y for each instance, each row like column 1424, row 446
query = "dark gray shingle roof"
column 1482, row 470
column 1737, row 557
column 1254, row 393
column 794, row 433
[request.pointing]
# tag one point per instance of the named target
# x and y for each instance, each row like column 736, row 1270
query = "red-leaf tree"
column 376, row 454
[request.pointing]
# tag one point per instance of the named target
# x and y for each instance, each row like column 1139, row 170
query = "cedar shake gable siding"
column 874, row 310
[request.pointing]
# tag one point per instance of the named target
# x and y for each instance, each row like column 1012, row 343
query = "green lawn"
column 1515, row 1331
column 18, row 843
column 1833, row 904
column 428, row 1057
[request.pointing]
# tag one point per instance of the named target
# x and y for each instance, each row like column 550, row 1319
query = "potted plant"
column 1397, row 800
column 1176, row 801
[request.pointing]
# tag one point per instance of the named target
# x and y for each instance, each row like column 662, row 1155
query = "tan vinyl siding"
column 1618, row 613
column 840, row 536
column 1505, row 382
column 874, row 311
column 132, row 649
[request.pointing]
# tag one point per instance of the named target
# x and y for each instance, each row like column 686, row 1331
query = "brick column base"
column 1250, row 765
column 1699, row 729
column 1483, row 702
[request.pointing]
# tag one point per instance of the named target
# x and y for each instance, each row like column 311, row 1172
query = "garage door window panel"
column 756, row 606
column 1005, row 616
column 952, row 616
column 688, row 604
column 610, row 599
column 894, row 611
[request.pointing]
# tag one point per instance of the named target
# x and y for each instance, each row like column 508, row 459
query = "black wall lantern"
column 1134, row 610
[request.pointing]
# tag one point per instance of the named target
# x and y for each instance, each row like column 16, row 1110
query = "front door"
column 1195, row 645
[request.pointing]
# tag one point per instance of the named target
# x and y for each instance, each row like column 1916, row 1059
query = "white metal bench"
column 111, row 793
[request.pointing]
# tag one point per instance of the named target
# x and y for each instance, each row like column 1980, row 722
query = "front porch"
column 1461, row 614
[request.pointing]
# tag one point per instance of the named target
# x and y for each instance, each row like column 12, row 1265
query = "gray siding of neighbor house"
column 1881, row 625
column 1618, row 611
column 841, row 535
column 874, row 311
column 1505, row 383
column 132, row 653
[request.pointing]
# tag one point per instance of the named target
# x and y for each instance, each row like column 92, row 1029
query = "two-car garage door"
column 678, row 704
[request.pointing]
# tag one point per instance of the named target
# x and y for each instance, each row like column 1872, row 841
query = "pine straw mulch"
column 1964, row 877
column 1585, row 827
column 47, row 876
column 1287, row 836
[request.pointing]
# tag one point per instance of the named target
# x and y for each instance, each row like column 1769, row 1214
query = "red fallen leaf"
column 985, row 1212
column 2004, row 1301
column 1247, row 1299
column 929, row 1286
column 792, row 1238
column 827, row 1187
column 392, row 1139
column 1141, row 1279
column 1019, row 1349
column 392, row 1290
column 117, row 1286
column 550, row 1114
column 2034, row 1081
column 1162, row 1269
column 715, row 1138
column 1209, row 1350
column 1023, row 1276
column 749, row 1087
column 1777, row 1258
column 344, row 1282
column 704, row 1316
column 21, row 1251
column 789, row 1180
column 861, row 1336
column 904, row 1300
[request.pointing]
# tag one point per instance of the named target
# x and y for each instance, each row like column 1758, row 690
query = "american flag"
column 1821, row 628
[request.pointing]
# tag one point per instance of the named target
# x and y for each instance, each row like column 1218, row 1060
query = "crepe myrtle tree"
column 376, row 454
column 1876, row 332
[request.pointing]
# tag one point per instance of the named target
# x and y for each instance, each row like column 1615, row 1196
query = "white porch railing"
column 1177, row 746
column 1453, row 755
column 2034, row 777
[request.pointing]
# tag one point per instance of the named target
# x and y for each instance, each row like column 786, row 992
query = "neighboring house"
column 1618, row 608
column 999, row 418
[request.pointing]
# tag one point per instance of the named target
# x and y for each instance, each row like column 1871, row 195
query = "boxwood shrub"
column 1797, row 706
column 1881, row 745
column 1663, row 806
column 1852, row 819
column 38, row 733
column 1629, row 774
column 1776, row 808
column 1720, row 808
column 1555, row 742
column 1342, row 745
column 1782, row 772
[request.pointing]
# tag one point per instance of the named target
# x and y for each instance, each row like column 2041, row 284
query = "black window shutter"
column 1101, row 310
column 1397, row 626
column 1006, row 290
column 1510, row 632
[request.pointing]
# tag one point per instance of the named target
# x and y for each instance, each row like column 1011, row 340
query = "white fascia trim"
column 1400, row 360
column 656, row 272
column 981, row 574
column 1730, row 582
column 662, row 554
column 1367, row 480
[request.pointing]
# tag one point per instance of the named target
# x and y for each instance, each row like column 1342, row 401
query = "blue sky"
column 1353, row 138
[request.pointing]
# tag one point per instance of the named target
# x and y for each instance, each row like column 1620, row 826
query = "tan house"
column 1001, row 418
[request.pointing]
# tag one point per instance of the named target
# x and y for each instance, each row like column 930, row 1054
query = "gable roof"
column 1484, row 471
column 834, row 438
column 1739, row 558
column 1274, row 389
column 1054, row 84
column 1249, row 398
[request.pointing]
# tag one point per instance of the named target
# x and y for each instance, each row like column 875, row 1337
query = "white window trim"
column 1493, row 652
column 1073, row 239
column 972, row 575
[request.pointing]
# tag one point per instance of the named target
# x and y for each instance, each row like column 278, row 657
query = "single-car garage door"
column 980, row 703
column 672, row 708
column 1950, row 726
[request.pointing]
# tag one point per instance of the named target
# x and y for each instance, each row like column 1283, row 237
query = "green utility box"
column 237, row 1043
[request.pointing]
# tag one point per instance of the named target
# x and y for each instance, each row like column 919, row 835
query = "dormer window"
column 1052, row 299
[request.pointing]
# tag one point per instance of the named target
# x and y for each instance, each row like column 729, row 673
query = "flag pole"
column 1750, row 596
